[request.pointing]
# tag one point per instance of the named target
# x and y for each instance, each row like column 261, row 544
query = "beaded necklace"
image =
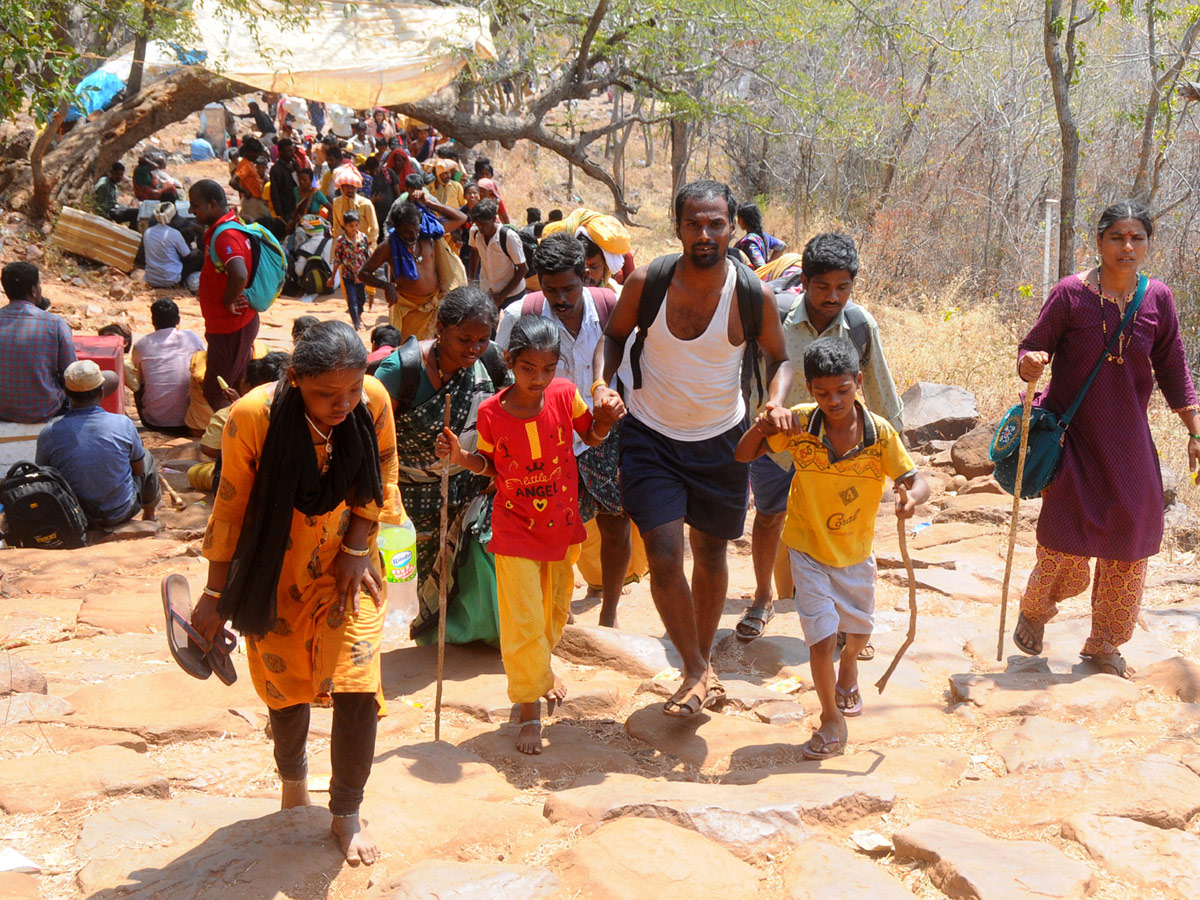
column 1119, row 359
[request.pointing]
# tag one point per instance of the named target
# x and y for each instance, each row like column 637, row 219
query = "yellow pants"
column 534, row 599
column 200, row 476
column 414, row 315
column 589, row 558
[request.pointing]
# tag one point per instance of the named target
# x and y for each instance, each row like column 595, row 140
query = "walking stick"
column 441, row 656
column 1026, row 412
column 912, row 596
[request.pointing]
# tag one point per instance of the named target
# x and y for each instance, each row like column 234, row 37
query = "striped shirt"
column 35, row 348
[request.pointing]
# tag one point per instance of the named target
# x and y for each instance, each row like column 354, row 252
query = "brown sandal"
column 1029, row 648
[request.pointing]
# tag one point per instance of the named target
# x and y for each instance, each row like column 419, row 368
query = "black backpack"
column 788, row 294
column 528, row 245
column 409, row 354
column 750, row 310
column 40, row 509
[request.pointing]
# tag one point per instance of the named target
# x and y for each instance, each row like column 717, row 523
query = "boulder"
column 970, row 452
column 1160, row 859
column 31, row 785
column 435, row 879
column 750, row 820
column 1095, row 697
column 638, row 655
column 1176, row 677
column 969, row 865
column 937, row 411
column 817, row 870
column 1153, row 789
column 705, row 740
column 18, row 677
column 646, row 859
column 1039, row 743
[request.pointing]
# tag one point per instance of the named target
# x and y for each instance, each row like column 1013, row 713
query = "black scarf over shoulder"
column 288, row 478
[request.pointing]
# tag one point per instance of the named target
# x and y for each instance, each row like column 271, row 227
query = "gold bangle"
column 599, row 382
column 350, row 551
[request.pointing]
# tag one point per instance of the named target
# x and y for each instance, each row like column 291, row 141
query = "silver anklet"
column 352, row 815
column 537, row 722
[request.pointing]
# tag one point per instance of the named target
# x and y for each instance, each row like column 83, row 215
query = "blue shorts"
column 770, row 485
column 663, row 479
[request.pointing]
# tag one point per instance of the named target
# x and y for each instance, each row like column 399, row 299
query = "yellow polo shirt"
column 832, row 502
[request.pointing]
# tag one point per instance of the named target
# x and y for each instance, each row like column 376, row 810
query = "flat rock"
column 960, row 585
column 18, row 677
column 1156, row 858
column 129, row 531
column 135, row 609
column 167, row 706
column 33, row 784
column 19, row 886
column 109, row 838
column 937, row 412
column 987, row 509
column 1065, row 637
column 750, row 820
column 22, row 740
column 1153, row 789
column 1175, row 677
column 899, row 712
column 949, row 532
column 646, row 859
column 32, row 708
column 781, row 712
column 970, row 452
column 638, row 655
column 435, row 879
column 914, row 772
column 1039, row 743
column 566, row 750
column 412, row 670
column 705, row 740
column 597, row 698
column 808, row 875
column 484, row 697
column 969, row 865
column 768, row 656
column 1094, row 697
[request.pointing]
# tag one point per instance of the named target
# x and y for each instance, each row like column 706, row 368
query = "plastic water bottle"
column 398, row 546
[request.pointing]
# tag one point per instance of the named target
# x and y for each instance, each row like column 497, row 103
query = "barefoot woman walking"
column 1106, row 499
column 308, row 472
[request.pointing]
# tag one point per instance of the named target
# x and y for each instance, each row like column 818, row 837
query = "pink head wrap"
column 347, row 175
column 488, row 185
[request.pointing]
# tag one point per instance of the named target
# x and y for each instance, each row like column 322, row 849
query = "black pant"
column 352, row 748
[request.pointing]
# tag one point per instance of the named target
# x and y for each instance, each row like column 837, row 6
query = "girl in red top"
column 525, row 443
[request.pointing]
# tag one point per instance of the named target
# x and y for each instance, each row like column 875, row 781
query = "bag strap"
column 604, row 299
column 860, row 331
column 532, row 304
column 750, row 310
column 253, row 238
column 654, row 293
column 1130, row 312
column 410, row 373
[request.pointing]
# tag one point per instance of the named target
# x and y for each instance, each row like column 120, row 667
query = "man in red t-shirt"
column 230, row 325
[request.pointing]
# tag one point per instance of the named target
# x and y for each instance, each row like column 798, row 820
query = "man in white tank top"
column 684, row 423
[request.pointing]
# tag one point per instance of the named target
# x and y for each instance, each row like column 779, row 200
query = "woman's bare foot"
column 356, row 842
column 293, row 794
column 529, row 738
column 559, row 691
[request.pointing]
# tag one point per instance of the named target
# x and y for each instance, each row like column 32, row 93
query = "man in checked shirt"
column 35, row 349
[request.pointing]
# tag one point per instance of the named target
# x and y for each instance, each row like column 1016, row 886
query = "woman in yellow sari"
column 308, row 473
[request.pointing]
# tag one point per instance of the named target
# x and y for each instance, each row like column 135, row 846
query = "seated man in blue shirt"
column 99, row 453
column 201, row 148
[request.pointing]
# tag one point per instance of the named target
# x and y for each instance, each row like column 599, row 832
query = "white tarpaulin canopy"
column 360, row 55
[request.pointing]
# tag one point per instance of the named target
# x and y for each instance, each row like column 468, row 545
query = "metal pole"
column 1047, row 247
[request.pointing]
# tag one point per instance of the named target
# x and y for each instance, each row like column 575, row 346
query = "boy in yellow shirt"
column 842, row 455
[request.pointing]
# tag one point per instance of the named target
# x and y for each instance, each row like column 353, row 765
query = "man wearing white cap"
column 99, row 453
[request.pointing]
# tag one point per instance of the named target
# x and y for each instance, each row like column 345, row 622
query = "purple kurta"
column 1106, row 499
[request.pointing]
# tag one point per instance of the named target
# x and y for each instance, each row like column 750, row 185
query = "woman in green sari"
column 460, row 363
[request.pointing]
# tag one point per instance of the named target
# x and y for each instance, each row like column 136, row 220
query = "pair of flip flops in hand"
column 198, row 657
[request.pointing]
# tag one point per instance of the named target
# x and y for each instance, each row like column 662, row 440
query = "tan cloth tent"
column 376, row 54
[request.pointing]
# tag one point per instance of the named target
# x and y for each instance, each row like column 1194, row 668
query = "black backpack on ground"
column 40, row 509
column 750, row 310
column 788, row 293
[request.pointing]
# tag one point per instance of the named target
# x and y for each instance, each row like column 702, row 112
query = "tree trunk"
column 680, row 152
column 133, row 86
column 39, row 204
column 1062, row 71
column 912, row 112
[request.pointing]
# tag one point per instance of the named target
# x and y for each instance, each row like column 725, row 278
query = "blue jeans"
column 356, row 299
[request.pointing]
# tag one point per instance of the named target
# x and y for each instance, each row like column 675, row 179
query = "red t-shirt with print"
column 536, row 511
column 230, row 243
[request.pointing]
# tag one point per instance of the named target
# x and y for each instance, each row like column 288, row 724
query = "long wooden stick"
column 441, row 656
column 1026, row 412
column 912, row 596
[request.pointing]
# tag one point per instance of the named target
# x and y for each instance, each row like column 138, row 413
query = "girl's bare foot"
column 529, row 738
column 293, row 794
column 356, row 842
column 559, row 691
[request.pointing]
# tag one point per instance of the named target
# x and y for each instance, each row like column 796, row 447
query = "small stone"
column 33, row 253
column 780, row 712
column 970, row 452
column 437, row 880
column 1040, row 743
column 1156, row 858
column 631, row 654
column 956, row 484
column 18, row 677
column 817, row 870
column 969, row 865
column 644, row 859
column 984, row 484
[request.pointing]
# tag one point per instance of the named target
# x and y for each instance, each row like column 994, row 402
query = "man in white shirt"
column 361, row 144
column 687, row 412
column 581, row 313
column 169, row 259
column 498, row 252
column 161, row 361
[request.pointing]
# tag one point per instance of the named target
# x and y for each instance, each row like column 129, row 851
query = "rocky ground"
column 122, row 776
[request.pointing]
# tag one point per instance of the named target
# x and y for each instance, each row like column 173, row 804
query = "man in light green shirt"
column 829, row 268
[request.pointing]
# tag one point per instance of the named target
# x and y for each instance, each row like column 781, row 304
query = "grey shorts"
column 830, row 599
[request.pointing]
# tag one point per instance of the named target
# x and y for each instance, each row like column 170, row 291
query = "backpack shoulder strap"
column 410, row 373
column 750, row 311
column 604, row 299
column 508, row 229
column 493, row 361
column 860, row 330
column 654, row 294
column 532, row 304
column 255, row 245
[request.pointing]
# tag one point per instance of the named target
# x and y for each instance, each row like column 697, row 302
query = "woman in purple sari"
column 1106, row 499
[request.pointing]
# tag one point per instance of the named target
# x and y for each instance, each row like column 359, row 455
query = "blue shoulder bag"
column 1047, row 430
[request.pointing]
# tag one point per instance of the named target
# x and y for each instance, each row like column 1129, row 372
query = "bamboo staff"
column 912, row 595
column 1026, row 412
column 441, row 654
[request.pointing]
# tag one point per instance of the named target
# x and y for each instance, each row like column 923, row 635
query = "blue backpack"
column 268, row 263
